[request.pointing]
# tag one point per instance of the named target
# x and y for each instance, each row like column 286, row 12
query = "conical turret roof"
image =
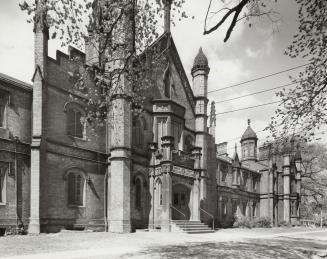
column 200, row 61
column 249, row 133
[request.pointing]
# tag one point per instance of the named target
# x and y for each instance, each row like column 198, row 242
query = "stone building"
column 147, row 171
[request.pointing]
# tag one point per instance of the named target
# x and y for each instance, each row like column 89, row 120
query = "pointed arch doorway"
column 181, row 201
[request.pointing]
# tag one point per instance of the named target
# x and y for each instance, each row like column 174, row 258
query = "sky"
column 251, row 52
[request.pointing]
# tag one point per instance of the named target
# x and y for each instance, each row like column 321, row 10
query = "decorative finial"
column 235, row 147
column 249, row 122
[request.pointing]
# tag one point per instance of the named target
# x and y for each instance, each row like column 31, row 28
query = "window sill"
column 78, row 138
column 3, row 203
column 75, row 206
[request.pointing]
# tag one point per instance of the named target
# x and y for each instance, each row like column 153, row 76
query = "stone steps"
column 191, row 227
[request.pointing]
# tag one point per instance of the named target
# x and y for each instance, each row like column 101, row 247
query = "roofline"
column 16, row 82
column 242, row 167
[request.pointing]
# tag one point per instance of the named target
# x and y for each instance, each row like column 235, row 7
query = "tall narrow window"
column 159, row 192
column 166, row 81
column 161, row 129
column 75, row 126
column 176, row 133
column 137, row 133
column 75, row 189
column 138, row 193
column 3, row 104
column 2, row 183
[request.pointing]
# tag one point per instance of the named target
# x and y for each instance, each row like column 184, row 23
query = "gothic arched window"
column 166, row 81
column 138, row 192
column 3, row 106
column 138, row 130
column 75, row 124
column 76, row 183
column 188, row 144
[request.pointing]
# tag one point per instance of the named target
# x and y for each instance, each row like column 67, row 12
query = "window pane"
column 71, row 123
column 138, row 190
column 183, row 199
column 176, row 199
column 79, row 125
column 71, row 189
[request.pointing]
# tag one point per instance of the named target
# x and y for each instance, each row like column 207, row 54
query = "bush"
column 262, row 222
column 284, row 223
column 242, row 222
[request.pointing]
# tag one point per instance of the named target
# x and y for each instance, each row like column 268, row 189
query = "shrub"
column 262, row 222
column 284, row 223
column 242, row 222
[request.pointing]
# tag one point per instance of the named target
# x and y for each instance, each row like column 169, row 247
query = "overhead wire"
column 258, row 78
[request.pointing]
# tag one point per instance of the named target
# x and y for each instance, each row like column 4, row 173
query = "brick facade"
column 136, row 172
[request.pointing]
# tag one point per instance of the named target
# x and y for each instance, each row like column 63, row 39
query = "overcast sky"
column 250, row 53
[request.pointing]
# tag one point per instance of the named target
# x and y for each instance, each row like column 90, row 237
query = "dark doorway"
column 181, row 200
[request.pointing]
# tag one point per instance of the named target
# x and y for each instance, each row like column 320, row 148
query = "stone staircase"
column 190, row 227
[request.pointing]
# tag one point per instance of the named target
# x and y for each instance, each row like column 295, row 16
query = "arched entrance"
column 181, row 202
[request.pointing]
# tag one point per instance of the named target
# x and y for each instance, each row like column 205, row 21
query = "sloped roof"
column 16, row 82
column 166, row 43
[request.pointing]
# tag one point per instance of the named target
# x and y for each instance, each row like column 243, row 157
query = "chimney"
column 221, row 149
column 167, row 8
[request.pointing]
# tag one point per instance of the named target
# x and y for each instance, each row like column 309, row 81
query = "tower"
column 249, row 142
column 200, row 72
column 41, row 36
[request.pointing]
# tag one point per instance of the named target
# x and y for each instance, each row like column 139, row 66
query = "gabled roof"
column 236, row 160
column 165, row 44
column 15, row 82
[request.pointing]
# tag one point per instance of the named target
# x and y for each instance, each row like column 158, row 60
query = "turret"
column 249, row 142
column 200, row 73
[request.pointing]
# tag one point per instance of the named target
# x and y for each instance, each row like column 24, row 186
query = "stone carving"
column 183, row 172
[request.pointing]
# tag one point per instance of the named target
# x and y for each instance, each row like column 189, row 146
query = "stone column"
column 197, row 187
column 195, row 213
column 38, row 119
column 119, row 210
column 153, row 148
column 166, row 167
column 286, row 180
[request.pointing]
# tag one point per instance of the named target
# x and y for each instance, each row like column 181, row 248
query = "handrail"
column 210, row 215
column 180, row 213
